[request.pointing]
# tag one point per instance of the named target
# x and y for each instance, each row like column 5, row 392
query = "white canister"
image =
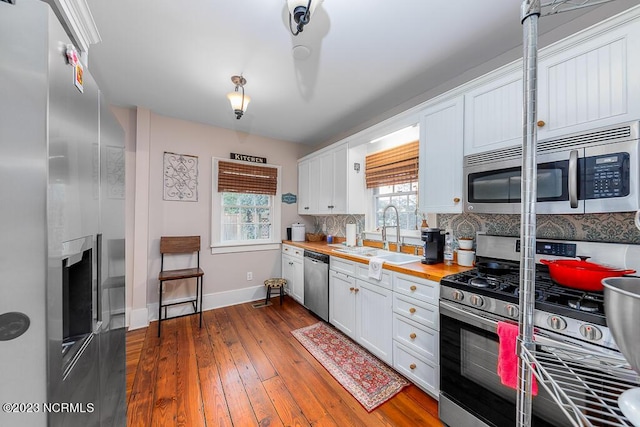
column 297, row 232
column 466, row 258
column 465, row 243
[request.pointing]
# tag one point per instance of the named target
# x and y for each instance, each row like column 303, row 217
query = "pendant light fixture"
column 238, row 99
column 300, row 12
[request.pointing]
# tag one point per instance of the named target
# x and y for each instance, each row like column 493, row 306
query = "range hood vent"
column 601, row 136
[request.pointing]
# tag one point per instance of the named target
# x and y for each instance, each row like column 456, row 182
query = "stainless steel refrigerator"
column 62, row 335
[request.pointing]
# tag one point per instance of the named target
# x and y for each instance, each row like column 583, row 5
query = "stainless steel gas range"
column 473, row 302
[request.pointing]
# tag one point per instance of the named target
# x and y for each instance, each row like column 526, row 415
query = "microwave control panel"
column 553, row 248
column 606, row 176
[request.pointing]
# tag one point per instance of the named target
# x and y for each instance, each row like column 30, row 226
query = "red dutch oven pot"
column 581, row 274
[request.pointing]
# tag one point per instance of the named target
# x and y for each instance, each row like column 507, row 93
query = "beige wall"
column 149, row 217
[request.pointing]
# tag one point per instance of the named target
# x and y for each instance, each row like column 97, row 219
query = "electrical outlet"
column 249, row 275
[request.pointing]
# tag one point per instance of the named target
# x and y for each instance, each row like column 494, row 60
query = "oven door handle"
column 467, row 316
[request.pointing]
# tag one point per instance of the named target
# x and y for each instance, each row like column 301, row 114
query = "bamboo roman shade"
column 397, row 165
column 247, row 178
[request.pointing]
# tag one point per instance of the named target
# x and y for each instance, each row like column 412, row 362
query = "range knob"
column 477, row 300
column 556, row 323
column 590, row 332
column 457, row 295
column 512, row 310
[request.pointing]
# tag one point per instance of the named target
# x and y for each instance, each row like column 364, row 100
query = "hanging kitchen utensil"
column 493, row 267
column 581, row 274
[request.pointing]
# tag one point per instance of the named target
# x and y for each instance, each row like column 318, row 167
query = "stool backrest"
column 179, row 244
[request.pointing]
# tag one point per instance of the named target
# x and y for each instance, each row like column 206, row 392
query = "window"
column 404, row 197
column 246, row 217
column 244, row 208
column 393, row 177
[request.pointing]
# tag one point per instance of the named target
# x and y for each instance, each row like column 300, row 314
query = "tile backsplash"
column 336, row 225
column 612, row 227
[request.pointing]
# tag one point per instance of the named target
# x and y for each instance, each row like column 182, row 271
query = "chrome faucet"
column 385, row 242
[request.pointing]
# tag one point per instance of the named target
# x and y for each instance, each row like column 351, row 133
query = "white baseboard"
column 210, row 301
column 138, row 318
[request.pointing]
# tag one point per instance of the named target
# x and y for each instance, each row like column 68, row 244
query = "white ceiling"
column 368, row 57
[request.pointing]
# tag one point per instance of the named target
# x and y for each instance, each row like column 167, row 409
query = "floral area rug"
column 369, row 380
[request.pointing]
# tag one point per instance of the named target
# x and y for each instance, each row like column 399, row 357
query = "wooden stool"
column 274, row 283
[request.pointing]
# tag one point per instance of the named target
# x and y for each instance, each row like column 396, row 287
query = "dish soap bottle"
column 448, row 249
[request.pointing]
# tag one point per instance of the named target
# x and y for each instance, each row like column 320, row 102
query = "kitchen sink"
column 389, row 257
column 362, row 251
column 399, row 258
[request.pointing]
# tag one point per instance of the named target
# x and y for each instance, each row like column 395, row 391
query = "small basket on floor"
column 274, row 284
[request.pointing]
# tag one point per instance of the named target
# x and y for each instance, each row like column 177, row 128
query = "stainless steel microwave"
column 590, row 172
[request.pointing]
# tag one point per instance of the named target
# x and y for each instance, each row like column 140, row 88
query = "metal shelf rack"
column 585, row 384
column 574, row 379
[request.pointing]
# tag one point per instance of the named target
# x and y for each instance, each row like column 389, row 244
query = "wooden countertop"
column 431, row 272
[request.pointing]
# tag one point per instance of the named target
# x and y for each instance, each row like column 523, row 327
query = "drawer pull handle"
column 456, row 200
column 412, row 335
column 412, row 310
column 541, row 123
column 413, row 287
column 412, row 366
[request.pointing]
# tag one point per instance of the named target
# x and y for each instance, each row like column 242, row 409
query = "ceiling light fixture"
column 239, row 100
column 300, row 11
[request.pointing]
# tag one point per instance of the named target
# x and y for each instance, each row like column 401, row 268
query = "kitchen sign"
column 247, row 158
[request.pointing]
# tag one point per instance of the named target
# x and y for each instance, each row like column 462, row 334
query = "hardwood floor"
column 244, row 368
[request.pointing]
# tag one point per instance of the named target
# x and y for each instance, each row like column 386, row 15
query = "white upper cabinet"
column 332, row 179
column 586, row 81
column 441, row 137
column 493, row 114
column 304, row 193
column 325, row 179
column 330, row 184
column 589, row 83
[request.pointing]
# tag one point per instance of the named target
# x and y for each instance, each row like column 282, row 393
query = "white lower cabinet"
column 293, row 271
column 422, row 372
column 361, row 310
column 342, row 302
column 417, row 337
column 373, row 319
column 416, row 326
column 396, row 319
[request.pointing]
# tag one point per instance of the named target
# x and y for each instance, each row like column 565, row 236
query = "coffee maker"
column 433, row 239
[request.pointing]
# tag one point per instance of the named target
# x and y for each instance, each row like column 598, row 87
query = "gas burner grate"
column 584, row 305
column 549, row 296
column 575, row 303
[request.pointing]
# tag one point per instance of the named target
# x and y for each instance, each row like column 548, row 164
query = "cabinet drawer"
column 422, row 289
column 416, row 310
column 293, row 251
column 421, row 372
column 343, row 266
column 362, row 272
column 418, row 338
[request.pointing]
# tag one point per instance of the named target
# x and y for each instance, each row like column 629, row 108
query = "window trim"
column 370, row 218
column 219, row 247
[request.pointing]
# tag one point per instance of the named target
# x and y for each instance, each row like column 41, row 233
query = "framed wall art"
column 180, row 177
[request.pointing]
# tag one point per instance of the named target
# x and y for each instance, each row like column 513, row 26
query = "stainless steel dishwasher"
column 316, row 283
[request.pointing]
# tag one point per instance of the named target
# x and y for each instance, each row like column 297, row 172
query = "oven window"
column 468, row 376
column 478, row 362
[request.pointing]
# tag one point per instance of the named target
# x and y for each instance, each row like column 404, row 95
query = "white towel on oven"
column 375, row 268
